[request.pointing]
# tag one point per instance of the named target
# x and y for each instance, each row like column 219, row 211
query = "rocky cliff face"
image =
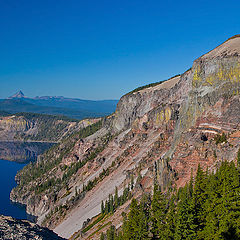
column 14, row 229
column 38, row 127
column 137, row 104
column 11, row 125
column 159, row 133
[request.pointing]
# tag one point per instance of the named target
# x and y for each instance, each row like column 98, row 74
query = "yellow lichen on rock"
column 220, row 74
column 235, row 74
column 167, row 114
column 160, row 117
column 163, row 116
column 209, row 80
column 223, row 74
column 196, row 77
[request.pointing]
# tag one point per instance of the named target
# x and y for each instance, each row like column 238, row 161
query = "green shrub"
column 221, row 138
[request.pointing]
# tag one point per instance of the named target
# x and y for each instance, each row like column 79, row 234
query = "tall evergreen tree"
column 131, row 224
column 102, row 236
column 185, row 228
column 198, row 199
column 111, row 204
column 158, row 212
column 116, row 199
column 102, row 208
column 111, row 233
column 144, row 217
column 169, row 230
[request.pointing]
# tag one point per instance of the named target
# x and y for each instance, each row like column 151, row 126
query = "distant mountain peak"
column 18, row 94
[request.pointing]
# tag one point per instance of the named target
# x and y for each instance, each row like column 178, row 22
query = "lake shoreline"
column 28, row 141
column 14, row 155
column 8, row 171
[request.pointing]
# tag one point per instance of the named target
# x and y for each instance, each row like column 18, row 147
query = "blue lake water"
column 8, row 170
column 20, row 153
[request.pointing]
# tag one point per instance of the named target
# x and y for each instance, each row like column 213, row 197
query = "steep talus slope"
column 160, row 132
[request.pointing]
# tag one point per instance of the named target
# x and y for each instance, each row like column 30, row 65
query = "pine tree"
column 198, row 199
column 102, row 236
column 102, row 208
column 170, row 226
column 130, row 226
column 185, row 228
column 238, row 158
column 111, row 204
column 107, row 207
column 116, row 199
column 119, row 236
column 210, row 207
column 144, row 217
column 158, row 212
column 125, row 194
column 111, row 233
column 191, row 185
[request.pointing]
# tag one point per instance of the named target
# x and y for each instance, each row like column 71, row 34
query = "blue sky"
column 99, row 49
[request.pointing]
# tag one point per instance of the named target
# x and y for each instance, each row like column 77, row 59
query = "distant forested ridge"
column 70, row 107
column 208, row 207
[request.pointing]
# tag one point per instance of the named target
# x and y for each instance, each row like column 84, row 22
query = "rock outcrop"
column 158, row 133
column 13, row 229
column 38, row 127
